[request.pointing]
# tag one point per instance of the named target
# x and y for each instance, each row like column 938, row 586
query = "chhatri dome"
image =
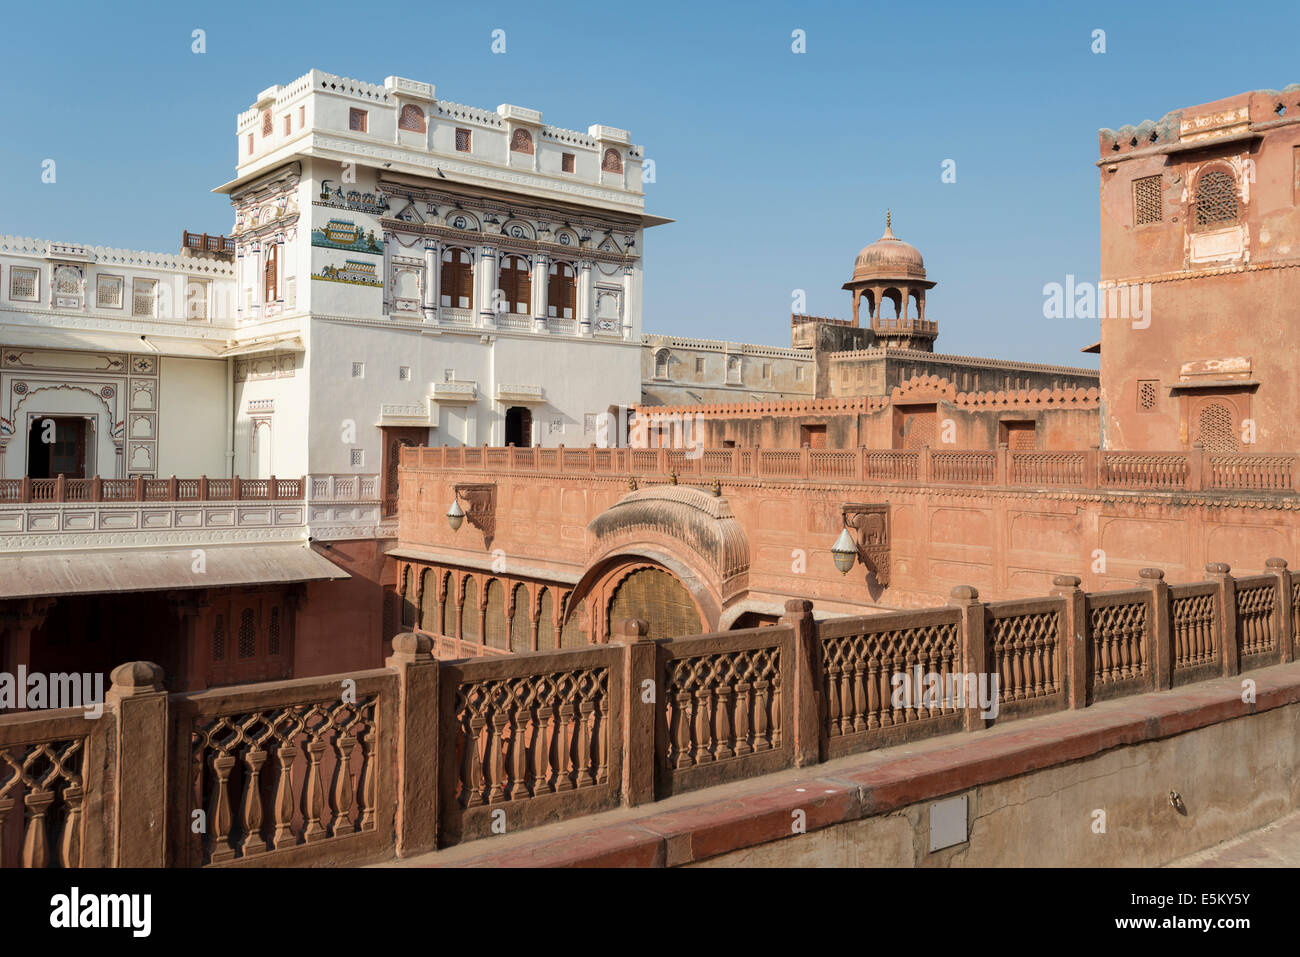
column 889, row 276
column 889, row 258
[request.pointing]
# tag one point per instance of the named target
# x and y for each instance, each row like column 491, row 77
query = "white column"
column 432, row 275
column 586, row 297
column 258, row 279
column 541, row 276
column 485, row 280
column 629, row 328
column 388, row 270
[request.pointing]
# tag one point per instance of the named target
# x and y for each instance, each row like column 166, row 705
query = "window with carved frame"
column 1216, row 200
column 516, row 284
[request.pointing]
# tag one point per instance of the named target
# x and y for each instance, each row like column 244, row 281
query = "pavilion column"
column 432, row 276
column 486, row 280
column 628, row 280
column 586, row 297
column 388, row 270
column 191, row 656
column 18, row 621
column 541, row 277
column 857, row 301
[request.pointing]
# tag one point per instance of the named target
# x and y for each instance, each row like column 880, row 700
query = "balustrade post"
column 236, row 489
column 270, row 488
column 173, row 489
column 97, row 489
column 1073, row 639
column 1094, row 466
column 591, row 457
column 418, row 715
column 27, row 489
column 1197, row 477
column 1002, row 466
column 661, row 459
column 1159, row 636
column 641, row 693
column 805, row 462
column 203, row 488
column 137, row 490
column 1226, row 595
column 1283, row 623
column 808, row 721
column 974, row 652
column 139, row 704
column 924, row 465
column 61, row 488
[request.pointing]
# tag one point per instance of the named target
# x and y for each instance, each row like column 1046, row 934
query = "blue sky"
column 777, row 166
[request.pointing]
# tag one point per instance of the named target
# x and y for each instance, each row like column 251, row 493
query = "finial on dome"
column 889, row 231
column 887, row 215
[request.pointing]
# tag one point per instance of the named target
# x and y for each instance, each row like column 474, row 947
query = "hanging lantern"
column 455, row 515
column 845, row 552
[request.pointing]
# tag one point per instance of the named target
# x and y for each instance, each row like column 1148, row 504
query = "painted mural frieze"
column 345, row 234
column 351, row 272
column 374, row 203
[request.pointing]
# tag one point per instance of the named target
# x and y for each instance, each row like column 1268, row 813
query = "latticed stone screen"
column 1216, row 200
column 1146, row 395
column 1216, row 433
column 463, row 140
column 1147, row 206
column 22, row 283
column 660, row 599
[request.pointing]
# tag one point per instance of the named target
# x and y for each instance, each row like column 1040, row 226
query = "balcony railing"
column 203, row 242
column 97, row 489
column 1083, row 468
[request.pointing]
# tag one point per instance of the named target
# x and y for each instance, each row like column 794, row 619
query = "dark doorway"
column 519, row 427
column 56, row 445
column 812, row 436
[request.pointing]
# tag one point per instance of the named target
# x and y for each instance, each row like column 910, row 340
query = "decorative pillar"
column 541, row 277
column 258, row 283
column 191, row 656
column 388, row 270
column 585, row 297
column 432, row 276
column 141, row 703
column 485, row 278
column 628, row 280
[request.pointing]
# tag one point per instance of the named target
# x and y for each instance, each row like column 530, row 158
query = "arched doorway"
column 519, row 427
column 656, row 595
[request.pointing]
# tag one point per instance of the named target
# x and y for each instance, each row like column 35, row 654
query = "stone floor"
column 1273, row 845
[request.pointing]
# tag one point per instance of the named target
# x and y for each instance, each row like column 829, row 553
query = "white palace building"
column 175, row 428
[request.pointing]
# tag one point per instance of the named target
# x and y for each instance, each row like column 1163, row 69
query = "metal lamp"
column 456, row 515
column 845, row 552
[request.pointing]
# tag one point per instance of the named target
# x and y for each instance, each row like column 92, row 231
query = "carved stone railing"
column 426, row 753
column 280, row 767
column 203, row 489
column 528, row 738
column 727, row 707
column 1000, row 468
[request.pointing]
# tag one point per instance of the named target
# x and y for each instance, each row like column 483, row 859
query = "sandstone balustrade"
column 424, row 753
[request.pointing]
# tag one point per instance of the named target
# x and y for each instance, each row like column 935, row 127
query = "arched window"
column 448, row 606
column 516, row 284
column 562, row 291
column 521, row 625
column 428, row 601
column 658, row 597
column 408, row 599
column 457, row 281
column 469, row 612
column 546, row 621
column 574, row 634
column 521, row 141
column 1215, row 429
column 1216, row 200
column 270, row 272
column 494, row 617
column 613, row 162
column 247, row 634
column 219, row 639
column 412, row 118
column 661, row 364
column 734, row 370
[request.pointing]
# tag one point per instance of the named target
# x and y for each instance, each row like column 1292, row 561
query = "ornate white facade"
column 401, row 269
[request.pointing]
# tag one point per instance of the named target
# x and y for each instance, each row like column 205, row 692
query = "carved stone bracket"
column 870, row 525
column 480, row 507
